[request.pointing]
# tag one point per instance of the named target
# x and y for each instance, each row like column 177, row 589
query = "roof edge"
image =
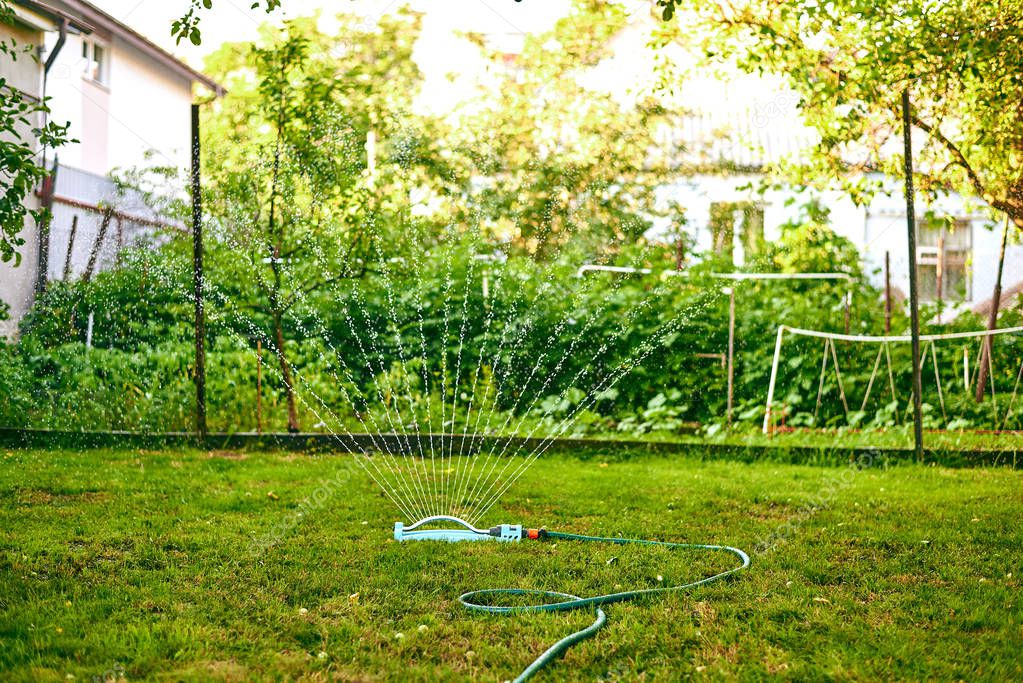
column 93, row 18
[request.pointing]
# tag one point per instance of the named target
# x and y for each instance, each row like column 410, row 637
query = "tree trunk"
column 286, row 374
column 108, row 213
column 992, row 321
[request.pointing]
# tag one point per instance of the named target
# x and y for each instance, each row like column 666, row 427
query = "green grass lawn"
column 152, row 564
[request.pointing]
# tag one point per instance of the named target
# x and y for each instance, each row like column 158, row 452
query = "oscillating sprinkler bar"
column 467, row 532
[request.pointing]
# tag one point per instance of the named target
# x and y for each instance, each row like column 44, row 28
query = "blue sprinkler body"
column 504, row 532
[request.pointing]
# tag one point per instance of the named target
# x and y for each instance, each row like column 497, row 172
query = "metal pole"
column 774, row 377
column 887, row 293
column 731, row 350
column 940, row 273
column 259, row 386
column 914, row 303
column 70, row 248
column 120, row 241
column 848, row 308
column 98, row 244
column 48, row 190
column 200, row 318
column 371, row 158
column 992, row 321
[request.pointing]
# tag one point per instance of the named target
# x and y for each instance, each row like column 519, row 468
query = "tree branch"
column 313, row 285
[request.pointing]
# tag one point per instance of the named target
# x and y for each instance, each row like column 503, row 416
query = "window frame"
column 929, row 256
column 90, row 65
column 734, row 239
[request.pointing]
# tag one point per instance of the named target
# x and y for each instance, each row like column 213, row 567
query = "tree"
column 848, row 61
column 21, row 138
column 548, row 157
column 295, row 208
column 542, row 156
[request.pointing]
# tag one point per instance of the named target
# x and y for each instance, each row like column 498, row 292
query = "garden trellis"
column 728, row 358
column 929, row 356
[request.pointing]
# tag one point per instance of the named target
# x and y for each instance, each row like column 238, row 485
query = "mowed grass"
column 154, row 565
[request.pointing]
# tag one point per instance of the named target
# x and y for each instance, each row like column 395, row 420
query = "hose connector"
column 507, row 532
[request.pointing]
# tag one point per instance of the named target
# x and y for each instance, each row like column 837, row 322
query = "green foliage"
column 400, row 343
column 372, row 315
column 849, row 62
column 558, row 160
column 142, row 302
column 809, row 245
column 297, row 206
column 188, row 25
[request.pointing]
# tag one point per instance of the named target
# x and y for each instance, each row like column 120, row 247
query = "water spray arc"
column 409, row 497
column 421, row 472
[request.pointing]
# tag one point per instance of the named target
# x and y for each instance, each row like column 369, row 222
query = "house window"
column 737, row 230
column 943, row 255
column 96, row 62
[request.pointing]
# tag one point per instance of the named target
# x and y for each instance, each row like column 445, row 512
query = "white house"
column 128, row 104
column 965, row 249
column 742, row 123
column 23, row 76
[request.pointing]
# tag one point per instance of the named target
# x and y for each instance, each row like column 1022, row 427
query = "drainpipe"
column 49, row 184
column 50, row 59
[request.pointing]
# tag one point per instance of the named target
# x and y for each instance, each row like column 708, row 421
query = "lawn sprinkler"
column 415, row 532
column 488, row 600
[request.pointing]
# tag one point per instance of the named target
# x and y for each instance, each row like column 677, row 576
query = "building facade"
column 128, row 103
column 23, row 75
column 957, row 242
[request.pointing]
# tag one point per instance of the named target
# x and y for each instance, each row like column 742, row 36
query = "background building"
column 128, row 104
column 25, row 76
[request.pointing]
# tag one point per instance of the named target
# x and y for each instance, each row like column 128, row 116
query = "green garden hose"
column 473, row 600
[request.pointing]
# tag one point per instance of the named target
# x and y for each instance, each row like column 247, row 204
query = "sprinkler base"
column 413, row 532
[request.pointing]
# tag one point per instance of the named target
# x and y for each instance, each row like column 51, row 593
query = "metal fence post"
column 197, row 273
column 914, row 303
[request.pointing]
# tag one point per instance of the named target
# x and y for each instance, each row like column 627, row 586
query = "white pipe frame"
column 833, row 336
